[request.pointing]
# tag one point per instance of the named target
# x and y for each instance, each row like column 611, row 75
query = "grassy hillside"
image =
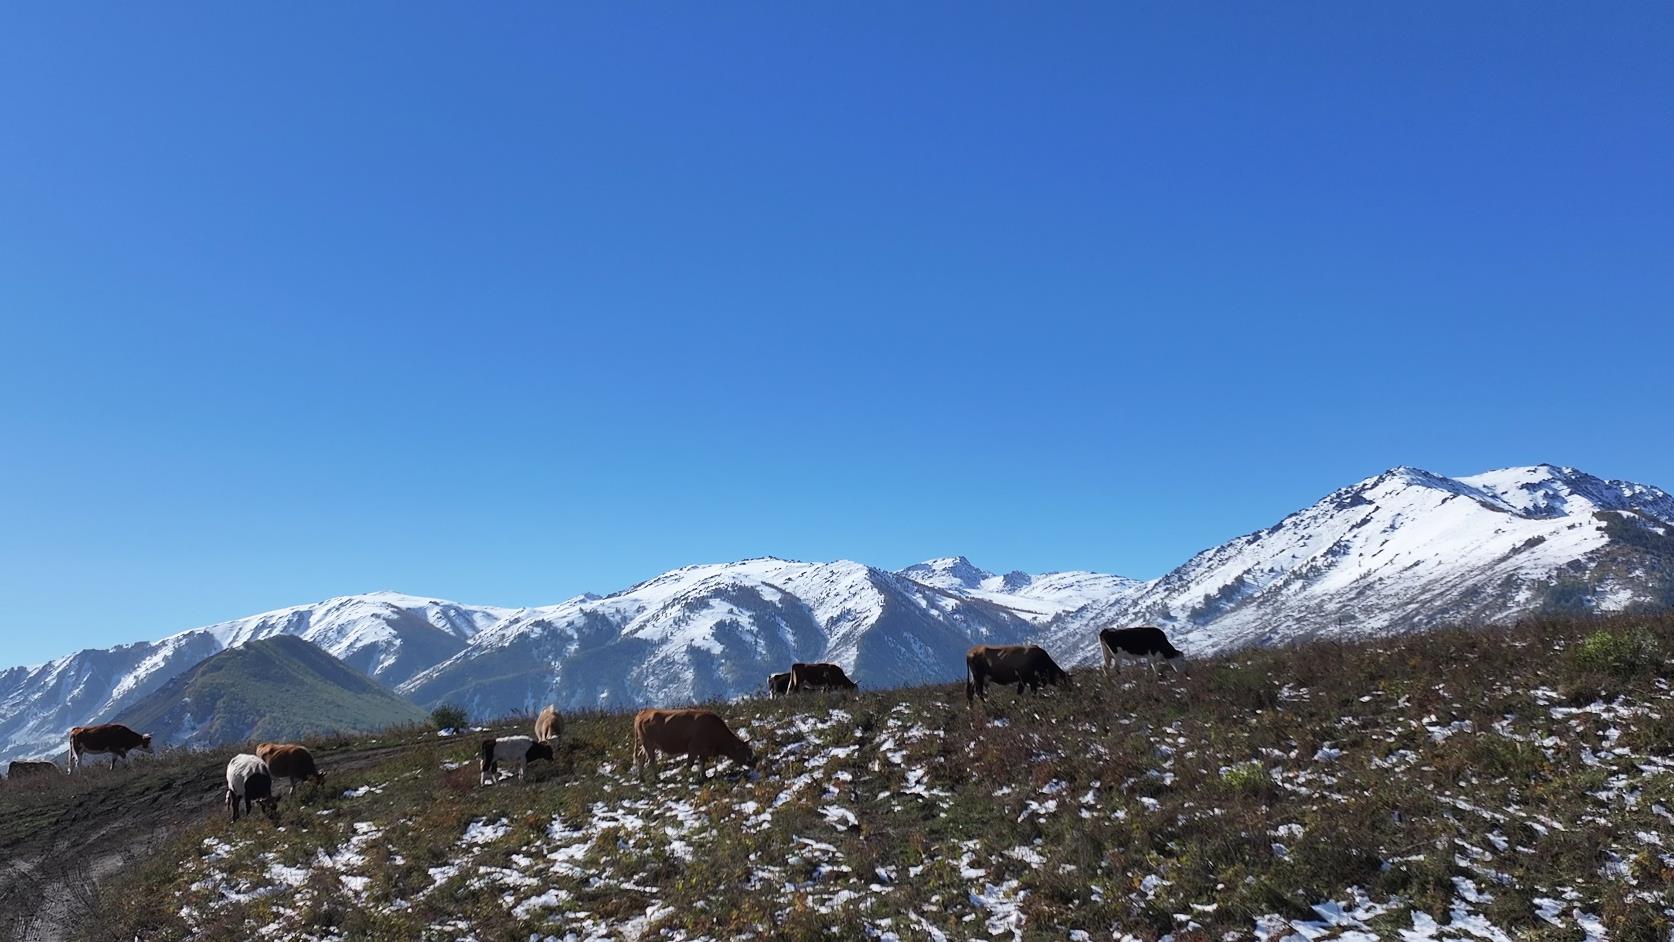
column 275, row 688
column 1487, row 785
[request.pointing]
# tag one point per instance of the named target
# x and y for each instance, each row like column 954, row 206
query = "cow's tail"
column 970, row 680
column 70, row 766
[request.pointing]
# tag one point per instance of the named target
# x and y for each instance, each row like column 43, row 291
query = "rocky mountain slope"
column 1408, row 549
column 276, row 688
column 714, row 631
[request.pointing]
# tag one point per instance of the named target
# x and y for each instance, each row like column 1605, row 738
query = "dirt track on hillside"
column 61, row 840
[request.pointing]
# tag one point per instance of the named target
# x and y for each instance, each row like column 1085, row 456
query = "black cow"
column 1145, row 641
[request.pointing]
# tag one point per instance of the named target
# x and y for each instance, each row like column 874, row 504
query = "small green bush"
column 1624, row 654
column 1249, row 778
column 449, row 716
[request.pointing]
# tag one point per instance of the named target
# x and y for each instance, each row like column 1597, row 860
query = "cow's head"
column 145, row 742
column 319, row 778
column 1057, row 675
column 270, row 807
column 740, row 752
column 539, row 750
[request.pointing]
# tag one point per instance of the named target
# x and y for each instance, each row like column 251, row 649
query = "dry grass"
column 1452, row 776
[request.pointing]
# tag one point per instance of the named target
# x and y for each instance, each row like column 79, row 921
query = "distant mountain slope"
column 1035, row 597
column 1408, row 549
column 717, row 630
column 387, row 635
column 276, row 688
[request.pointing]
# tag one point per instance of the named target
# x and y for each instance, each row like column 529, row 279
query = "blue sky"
column 506, row 303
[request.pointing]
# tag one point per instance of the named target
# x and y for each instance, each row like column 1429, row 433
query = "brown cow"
column 699, row 735
column 819, row 677
column 549, row 725
column 1021, row 664
column 778, row 684
column 290, row 761
column 22, row 768
column 114, row 738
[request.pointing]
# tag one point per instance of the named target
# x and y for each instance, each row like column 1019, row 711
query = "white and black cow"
column 1145, row 641
column 517, row 751
column 249, row 782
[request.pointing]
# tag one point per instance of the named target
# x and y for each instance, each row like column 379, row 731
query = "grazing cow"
column 819, row 677
column 699, row 735
column 21, row 768
column 549, row 725
column 114, row 738
column 519, row 751
column 288, row 760
column 778, row 684
column 1021, row 664
column 251, row 783
column 1145, row 641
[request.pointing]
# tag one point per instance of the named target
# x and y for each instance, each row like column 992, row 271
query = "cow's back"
column 287, row 760
column 549, row 725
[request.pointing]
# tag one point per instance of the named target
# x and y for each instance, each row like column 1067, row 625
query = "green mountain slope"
column 275, row 688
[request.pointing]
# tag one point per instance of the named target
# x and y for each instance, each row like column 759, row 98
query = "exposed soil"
column 60, row 839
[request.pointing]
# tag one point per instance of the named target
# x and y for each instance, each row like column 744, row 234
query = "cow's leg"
column 1154, row 657
column 1179, row 663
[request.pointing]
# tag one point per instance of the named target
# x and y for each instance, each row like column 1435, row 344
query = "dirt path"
column 61, row 839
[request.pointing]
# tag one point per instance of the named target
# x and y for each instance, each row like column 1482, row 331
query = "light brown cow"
column 114, row 738
column 290, row 761
column 699, row 735
column 549, row 725
column 819, row 677
column 1021, row 664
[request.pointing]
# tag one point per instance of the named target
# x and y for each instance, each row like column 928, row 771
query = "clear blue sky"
column 506, row 302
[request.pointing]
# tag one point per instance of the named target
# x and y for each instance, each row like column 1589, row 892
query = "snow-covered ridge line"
column 1400, row 550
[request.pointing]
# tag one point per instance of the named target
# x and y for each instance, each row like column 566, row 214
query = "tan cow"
column 1021, row 664
column 699, row 735
column 290, row 761
column 549, row 725
column 114, row 738
column 819, row 677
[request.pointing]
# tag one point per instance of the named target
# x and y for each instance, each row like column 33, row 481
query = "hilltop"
column 1478, row 784
column 278, row 688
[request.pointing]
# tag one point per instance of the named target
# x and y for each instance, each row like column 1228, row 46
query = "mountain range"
column 1400, row 551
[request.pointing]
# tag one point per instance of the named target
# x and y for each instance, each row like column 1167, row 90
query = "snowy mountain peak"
column 948, row 572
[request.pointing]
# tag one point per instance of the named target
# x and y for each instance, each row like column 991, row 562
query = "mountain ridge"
column 1400, row 550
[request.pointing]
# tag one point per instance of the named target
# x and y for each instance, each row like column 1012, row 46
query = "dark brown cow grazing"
column 778, row 684
column 288, row 760
column 114, row 738
column 21, row 768
column 549, row 725
column 819, row 677
column 1145, row 641
column 1021, row 664
column 699, row 735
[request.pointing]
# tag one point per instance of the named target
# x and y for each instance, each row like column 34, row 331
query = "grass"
column 1454, row 776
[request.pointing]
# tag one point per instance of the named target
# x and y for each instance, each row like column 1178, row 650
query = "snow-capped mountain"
column 386, row 635
column 1400, row 551
column 1409, row 549
column 1036, row 597
column 714, row 631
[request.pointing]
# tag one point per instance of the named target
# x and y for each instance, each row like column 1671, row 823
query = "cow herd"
column 697, row 734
